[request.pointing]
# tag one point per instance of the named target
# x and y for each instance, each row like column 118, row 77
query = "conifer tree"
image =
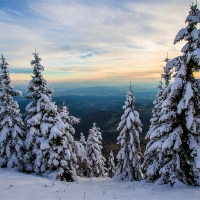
column 111, row 165
column 11, row 125
column 167, row 73
column 128, row 166
column 67, row 119
column 47, row 142
column 173, row 153
column 160, row 97
column 156, row 110
column 83, row 164
column 95, row 157
column 70, row 131
column 82, row 140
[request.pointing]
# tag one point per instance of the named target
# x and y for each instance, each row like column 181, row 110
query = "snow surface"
column 16, row 185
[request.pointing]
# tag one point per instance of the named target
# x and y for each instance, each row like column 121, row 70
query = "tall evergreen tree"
column 95, row 157
column 11, row 125
column 156, row 110
column 70, row 131
column 160, row 97
column 156, row 123
column 47, row 142
column 111, row 165
column 128, row 166
column 173, row 152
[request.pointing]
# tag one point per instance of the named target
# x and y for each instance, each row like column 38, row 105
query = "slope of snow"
column 16, row 185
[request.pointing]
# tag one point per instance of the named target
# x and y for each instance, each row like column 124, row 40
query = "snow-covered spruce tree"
column 167, row 73
column 11, row 125
column 158, row 111
column 95, row 157
column 82, row 159
column 47, row 145
column 111, row 165
column 70, row 131
column 83, row 164
column 173, row 152
column 67, row 119
column 82, row 140
column 128, row 166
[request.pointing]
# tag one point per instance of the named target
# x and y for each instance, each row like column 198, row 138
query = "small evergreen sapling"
column 82, row 140
column 68, row 120
column 129, row 156
column 83, row 164
column 95, row 157
column 167, row 73
column 11, row 125
column 111, row 166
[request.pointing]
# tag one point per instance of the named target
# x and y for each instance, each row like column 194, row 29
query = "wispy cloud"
column 20, row 70
column 92, row 39
column 88, row 55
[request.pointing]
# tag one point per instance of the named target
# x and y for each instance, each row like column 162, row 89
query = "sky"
column 91, row 42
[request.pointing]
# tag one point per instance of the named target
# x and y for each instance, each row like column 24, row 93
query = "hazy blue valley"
column 103, row 105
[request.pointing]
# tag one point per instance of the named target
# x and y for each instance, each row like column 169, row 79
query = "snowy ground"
column 15, row 185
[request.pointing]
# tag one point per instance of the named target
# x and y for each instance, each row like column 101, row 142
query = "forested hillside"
column 105, row 109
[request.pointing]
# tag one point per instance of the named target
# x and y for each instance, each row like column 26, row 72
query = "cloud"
column 86, row 39
column 136, row 46
column 20, row 70
column 87, row 55
column 12, row 12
